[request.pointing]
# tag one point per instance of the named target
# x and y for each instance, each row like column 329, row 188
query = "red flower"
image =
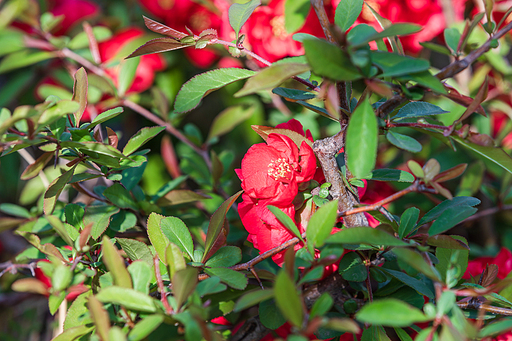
column 273, row 170
column 267, row 35
column 503, row 260
column 72, row 292
column 427, row 13
column 73, row 12
column 148, row 65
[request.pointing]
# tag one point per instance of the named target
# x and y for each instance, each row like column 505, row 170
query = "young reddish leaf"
column 47, row 249
column 441, row 190
column 169, row 157
column 33, row 170
column 53, row 192
column 455, row 96
column 489, row 275
column 31, row 285
column 379, row 87
column 113, row 140
column 217, row 222
column 84, row 236
column 183, row 284
column 100, row 317
column 451, row 173
column 80, row 93
column 158, row 45
column 115, row 264
column 162, row 29
column 479, row 98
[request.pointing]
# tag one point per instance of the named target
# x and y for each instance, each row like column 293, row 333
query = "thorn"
column 251, row 269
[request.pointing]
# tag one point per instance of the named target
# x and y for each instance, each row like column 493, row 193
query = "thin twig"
column 168, row 127
column 486, row 212
column 161, row 287
column 76, row 57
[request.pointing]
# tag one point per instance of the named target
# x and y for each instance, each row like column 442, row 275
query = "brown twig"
column 415, row 187
column 486, row 212
column 161, row 287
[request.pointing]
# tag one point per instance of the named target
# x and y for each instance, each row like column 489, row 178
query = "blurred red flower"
column 148, row 65
column 427, row 13
column 72, row 292
column 503, row 260
column 73, row 12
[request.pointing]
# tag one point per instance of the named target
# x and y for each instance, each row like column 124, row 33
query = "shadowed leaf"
column 158, row 45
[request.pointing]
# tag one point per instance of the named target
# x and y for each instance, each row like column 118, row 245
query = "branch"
column 161, row 288
column 326, row 150
column 415, row 187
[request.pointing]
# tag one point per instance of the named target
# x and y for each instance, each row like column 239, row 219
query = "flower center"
column 278, row 29
column 280, row 170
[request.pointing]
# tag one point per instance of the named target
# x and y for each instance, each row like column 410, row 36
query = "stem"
column 415, row 187
column 486, row 212
column 417, row 125
column 264, row 61
column 170, row 129
column 163, row 293
column 72, row 55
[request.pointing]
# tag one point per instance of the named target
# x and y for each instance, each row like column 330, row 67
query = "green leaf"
column 352, row 268
column 449, row 218
column 287, row 299
column 294, row 94
column 76, row 314
column 472, row 179
column 239, row 13
column 23, row 58
column 127, row 75
column 408, row 221
column 100, row 317
column 177, row 232
column 399, row 29
column 390, row 312
column 201, row 85
column 295, row 13
column 439, row 209
column 52, row 193
column 99, row 216
column 73, row 333
column 74, row 215
column 216, row 226
column 228, row 119
column 120, row 197
column 425, row 79
column 140, row 138
column 329, row 61
column 174, row 259
column 270, row 316
column 105, row 116
column 252, row 298
column 285, row 220
column 233, row 278
column 115, row 264
column 393, row 64
column 156, row 236
column 33, row 169
column 320, row 225
column 183, row 284
column 14, row 210
column 145, row 327
column 412, row 282
column 361, row 140
column 55, row 300
column 128, row 298
column 496, row 328
column 403, row 142
column 418, row 109
column 321, row 306
column 136, row 250
column 61, row 277
column 452, row 38
column 386, row 174
column 225, row 257
column 141, row 274
column 271, row 77
column 55, row 112
column 347, row 12
column 59, row 227
column 416, row 261
column 80, row 89
column 364, row 235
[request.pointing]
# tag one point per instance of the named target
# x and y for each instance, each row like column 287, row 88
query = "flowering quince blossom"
column 148, row 65
column 503, row 260
column 427, row 13
column 72, row 292
column 73, row 12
